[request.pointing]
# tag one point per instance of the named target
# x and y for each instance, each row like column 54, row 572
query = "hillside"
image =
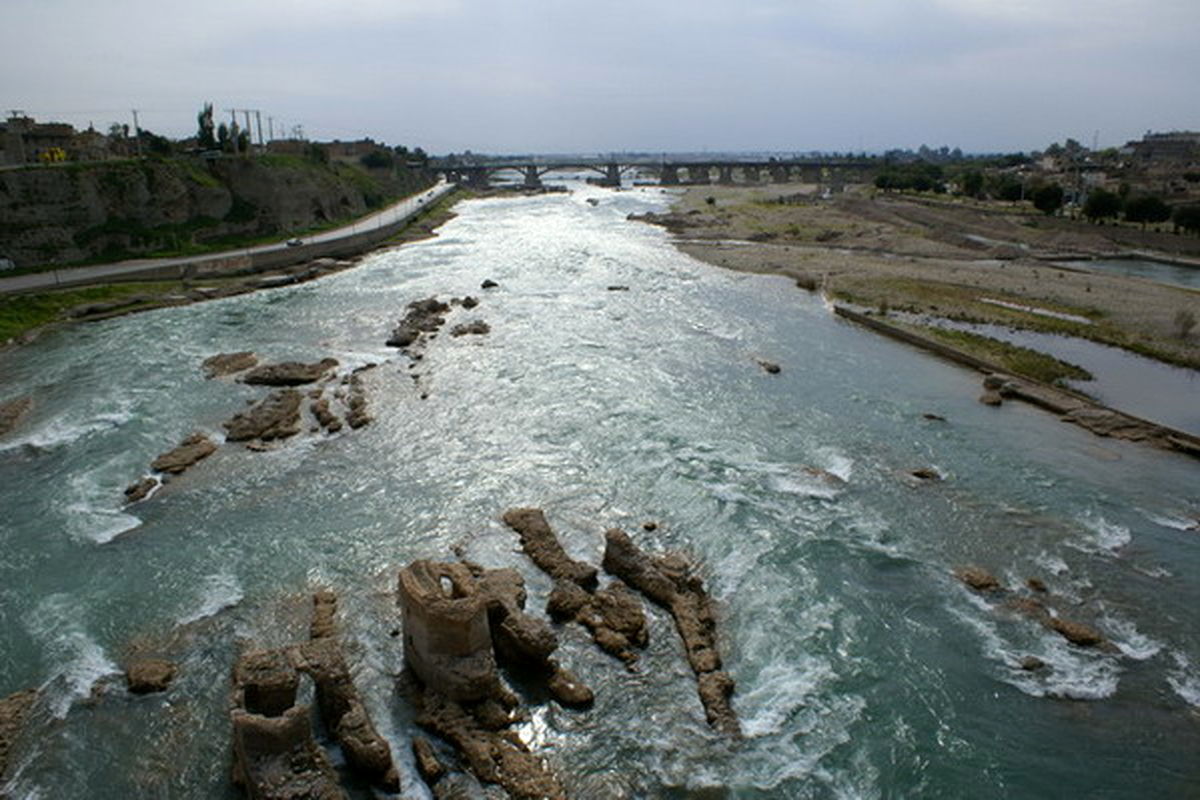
column 112, row 210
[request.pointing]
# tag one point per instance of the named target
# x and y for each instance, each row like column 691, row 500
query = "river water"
column 863, row 668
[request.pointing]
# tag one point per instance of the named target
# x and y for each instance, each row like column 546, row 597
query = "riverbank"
column 897, row 253
column 23, row 317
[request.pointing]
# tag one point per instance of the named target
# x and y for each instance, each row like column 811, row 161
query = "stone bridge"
column 832, row 173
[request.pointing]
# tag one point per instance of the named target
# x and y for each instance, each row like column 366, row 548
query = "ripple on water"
column 76, row 661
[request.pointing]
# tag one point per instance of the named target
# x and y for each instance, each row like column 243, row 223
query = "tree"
column 223, row 137
column 1101, row 204
column 1048, row 199
column 204, row 132
column 1188, row 218
column 972, row 183
column 377, row 159
column 1146, row 208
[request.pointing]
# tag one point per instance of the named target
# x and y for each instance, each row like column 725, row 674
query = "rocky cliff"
column 113, row 210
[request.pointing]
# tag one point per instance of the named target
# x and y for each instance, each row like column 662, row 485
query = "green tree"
column 377, row 159
column 1101, row 204
column 1188, row 218
column 204, row 133
column 1048, row 199
column 223, row 141
column 1147, row 208
column 972, row 183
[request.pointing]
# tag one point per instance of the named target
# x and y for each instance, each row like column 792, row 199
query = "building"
column 26, row 141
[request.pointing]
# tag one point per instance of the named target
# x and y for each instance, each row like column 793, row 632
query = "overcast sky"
column 605, row 75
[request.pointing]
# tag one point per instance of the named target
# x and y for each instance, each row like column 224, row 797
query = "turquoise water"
column 863, row 668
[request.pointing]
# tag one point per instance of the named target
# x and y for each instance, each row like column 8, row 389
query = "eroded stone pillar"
column 447, row 641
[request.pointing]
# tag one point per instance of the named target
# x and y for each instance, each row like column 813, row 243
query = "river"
column 863, row 667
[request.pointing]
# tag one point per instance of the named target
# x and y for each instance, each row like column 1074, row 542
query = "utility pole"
column 270, row 129
column 137, row 132
column 258, row 119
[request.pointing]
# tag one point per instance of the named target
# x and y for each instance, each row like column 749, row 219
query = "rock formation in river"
column 275, row 754
column 229, row 363
column 11, row 412
column 541, row 545
column 289, row 373
column 276, row 417
column 149, row 675
column 191, row 450
column 424, row 316
column 670, row 582
column 14, row 709
column 448, row 645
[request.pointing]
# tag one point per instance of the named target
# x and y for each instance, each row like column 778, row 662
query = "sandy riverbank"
column 941, row 258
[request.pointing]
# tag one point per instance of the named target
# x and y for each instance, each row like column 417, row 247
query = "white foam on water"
column 1125, row 635
column 1070, row 673
column 219, row 592
column 93, row 513
column 76, row 659
column 1185, row 679
column 58, row 432
column 835, row 462
column 1106, row 537
column 779, row 690
column 1052, row 563
column 1175, row 521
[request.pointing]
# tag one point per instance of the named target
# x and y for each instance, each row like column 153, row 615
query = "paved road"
column 94, row 274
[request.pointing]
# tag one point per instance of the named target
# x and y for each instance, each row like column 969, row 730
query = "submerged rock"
column 289, row 373
column 190, row 451
column 926, row 474
column 11, row 412
column 991, row 398
column 476, row 327
column 229, row 363
column 488, row 284
column 277, row 416
column 424, row 316
column 149, row 675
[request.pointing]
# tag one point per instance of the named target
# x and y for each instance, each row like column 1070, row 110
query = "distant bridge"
column 829, row 172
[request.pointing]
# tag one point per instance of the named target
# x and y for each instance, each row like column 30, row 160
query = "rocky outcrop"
column 276, row 417
column 1038, row 608
column 191, row 450
column 424, row 316
column 475, row 327
column 289, row 373
column 275, row 754
column 768, row 366
column 324, row 416
column 356, row 403
column 11, row 412
column 138, row 490
column 457, row 618
column 149, row 675
column 14, row 710
column 542, row 546
column 149, row 205
column 978, row 578
column 525, row 641
column 494, row 754
column 670, row 582
column 228, row 363
column 276, row 757
column 926, row 474
column 612, row 615
column 341, row 707
column 447, row 638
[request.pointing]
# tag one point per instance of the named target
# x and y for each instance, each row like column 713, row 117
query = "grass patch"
column 24, row 312
column 1018, row 360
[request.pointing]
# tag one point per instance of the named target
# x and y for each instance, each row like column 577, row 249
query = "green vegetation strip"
column 1018, row 360
column 23, row 312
